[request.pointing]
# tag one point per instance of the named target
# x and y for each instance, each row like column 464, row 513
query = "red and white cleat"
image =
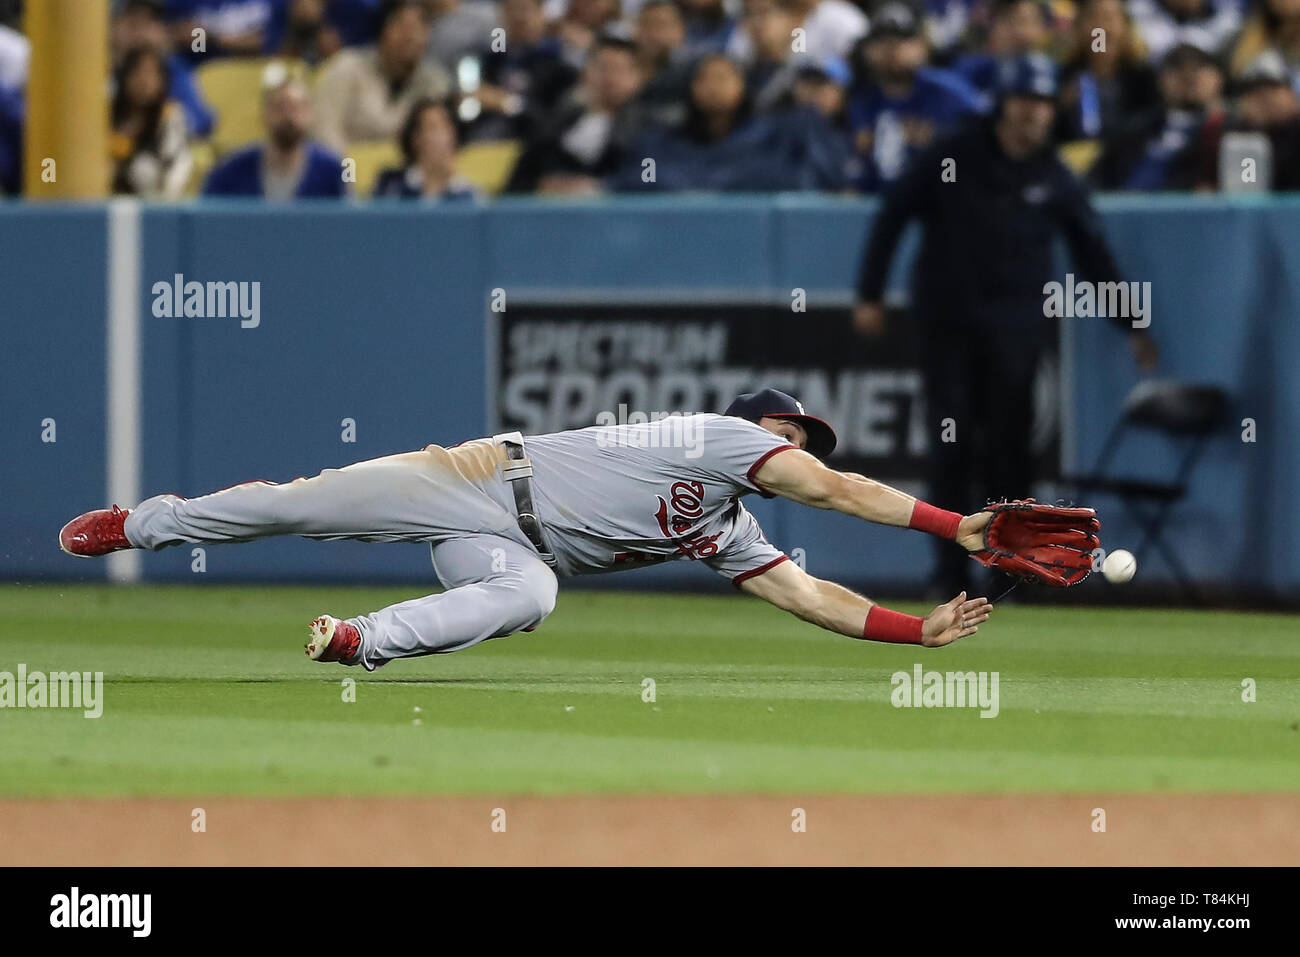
column 95, row 533
column 333, row 640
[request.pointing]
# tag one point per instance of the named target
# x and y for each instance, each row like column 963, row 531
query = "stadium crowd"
column 453, row 99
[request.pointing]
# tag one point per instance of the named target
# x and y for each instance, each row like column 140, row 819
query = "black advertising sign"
column 558, row 366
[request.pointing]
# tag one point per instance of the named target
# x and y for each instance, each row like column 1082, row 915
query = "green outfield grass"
column 207, row 691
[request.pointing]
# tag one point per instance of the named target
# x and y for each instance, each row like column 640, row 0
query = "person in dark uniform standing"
column 990, row 200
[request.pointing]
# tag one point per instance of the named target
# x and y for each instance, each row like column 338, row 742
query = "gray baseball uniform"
column 608, row 497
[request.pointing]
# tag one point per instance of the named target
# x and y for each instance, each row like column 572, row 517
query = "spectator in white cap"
column 1207, row 24
column 458, row 29
column 830, row 28
column 1267, row 104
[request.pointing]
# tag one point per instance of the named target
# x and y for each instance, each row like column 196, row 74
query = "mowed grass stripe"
column 425, row 759
column 207, row 691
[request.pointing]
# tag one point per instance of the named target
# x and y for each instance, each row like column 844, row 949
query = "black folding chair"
column 1184, row 414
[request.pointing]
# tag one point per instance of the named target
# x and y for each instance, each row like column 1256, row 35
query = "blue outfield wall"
column 53, row 350
column 377, row 314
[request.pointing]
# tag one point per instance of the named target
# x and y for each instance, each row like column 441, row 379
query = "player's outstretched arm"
column 800, row 477
column 845, row 612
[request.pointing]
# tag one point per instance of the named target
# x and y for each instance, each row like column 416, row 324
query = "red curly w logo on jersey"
column 687, row 506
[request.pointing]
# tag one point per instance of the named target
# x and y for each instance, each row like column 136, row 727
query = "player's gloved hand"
column 1051, row 544
column 954, row 619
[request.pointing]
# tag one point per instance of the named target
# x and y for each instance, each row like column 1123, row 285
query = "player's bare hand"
column 958, row 618
column 970, row 531
column 869, row 319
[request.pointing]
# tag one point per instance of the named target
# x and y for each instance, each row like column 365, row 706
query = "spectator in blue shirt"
column 723, row 146
column 231, row 27
column 900, row 105
column 287, row 165
column 357, row 21
column 11, row 141
column 708, row 26
column 1016, row 28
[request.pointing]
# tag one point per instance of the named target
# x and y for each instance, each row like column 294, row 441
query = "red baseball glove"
column 1051, row 544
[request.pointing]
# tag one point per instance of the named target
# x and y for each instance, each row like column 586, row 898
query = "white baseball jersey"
column 623, row 496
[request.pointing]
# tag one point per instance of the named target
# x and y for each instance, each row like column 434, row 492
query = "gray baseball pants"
column 453, row 498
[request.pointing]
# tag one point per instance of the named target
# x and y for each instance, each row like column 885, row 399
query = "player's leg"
column 412, row 496
column 495, row 587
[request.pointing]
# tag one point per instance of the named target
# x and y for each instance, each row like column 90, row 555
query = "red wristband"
column 892, row 626
column 936, row 521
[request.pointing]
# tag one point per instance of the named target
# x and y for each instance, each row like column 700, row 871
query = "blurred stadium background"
column 520, row 170
column 437, row 237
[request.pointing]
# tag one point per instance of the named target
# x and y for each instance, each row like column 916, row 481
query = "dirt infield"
column 651, row 830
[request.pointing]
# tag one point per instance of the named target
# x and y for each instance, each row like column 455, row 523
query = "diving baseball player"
column 507, row 515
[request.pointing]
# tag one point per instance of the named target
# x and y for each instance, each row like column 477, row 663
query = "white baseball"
column 1119, row 566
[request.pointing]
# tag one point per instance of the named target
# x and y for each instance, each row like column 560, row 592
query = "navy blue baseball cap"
column 771, row 404
column 1031, row 74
